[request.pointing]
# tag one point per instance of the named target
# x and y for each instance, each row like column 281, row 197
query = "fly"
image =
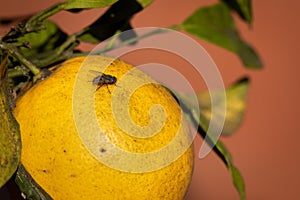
column 103, row 79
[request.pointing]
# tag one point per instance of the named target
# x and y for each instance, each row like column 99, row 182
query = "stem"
column 16, row 72
column 13, row 51
column 210, row 140
column 129, row 41
column 34, row 20
column 110, row 46
column 57, row 57
column 56, row 53
column 112, row 41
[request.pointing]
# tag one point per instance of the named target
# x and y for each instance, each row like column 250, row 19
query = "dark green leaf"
column 28, row 186
column 216, row 25
column 116, row 18
column 77, row 4
column 242, row 7
column 76, row 10
column 45, row 40
column 10, row 139
column 235, row 106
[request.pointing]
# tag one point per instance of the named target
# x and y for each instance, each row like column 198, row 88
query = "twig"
column 13, row 51
column 38, row 18
column 129, row 41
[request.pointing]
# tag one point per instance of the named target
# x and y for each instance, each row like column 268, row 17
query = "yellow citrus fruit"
column 57, row 157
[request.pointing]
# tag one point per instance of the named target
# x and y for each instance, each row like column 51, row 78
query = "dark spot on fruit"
column 102, row 150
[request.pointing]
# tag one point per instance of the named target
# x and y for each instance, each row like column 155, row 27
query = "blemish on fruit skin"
column 102, row 150
column 45, row 171
column 65, row 151
column 73, row 175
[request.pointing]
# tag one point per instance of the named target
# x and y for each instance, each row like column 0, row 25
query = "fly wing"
column 96, row 72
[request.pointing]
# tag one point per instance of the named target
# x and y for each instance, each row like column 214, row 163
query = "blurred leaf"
column 10, row 139
column 235, row 106
column 45, row 40
column 77, row 4
column 216, row 25
column 116, row 18
column 242, row 7
column 145, row 3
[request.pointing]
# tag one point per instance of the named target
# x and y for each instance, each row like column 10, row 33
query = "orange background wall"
column 265, row 147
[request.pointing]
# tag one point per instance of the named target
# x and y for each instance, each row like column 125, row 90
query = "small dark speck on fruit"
column 102, row 150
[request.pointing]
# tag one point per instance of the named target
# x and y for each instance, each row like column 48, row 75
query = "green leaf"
column 43, row 41
column 220, row 149
column 145, row 3
column 238, row 181
column 235, row 106
column 242, row 7
column 77, row 4
column 216, row 25
column 115, row 19
column 10, row 139
column 89, row 38
column 217, row 146
column 236, row 176
column 28, row 186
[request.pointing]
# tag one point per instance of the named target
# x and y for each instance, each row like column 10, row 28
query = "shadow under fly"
column 103, row 79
